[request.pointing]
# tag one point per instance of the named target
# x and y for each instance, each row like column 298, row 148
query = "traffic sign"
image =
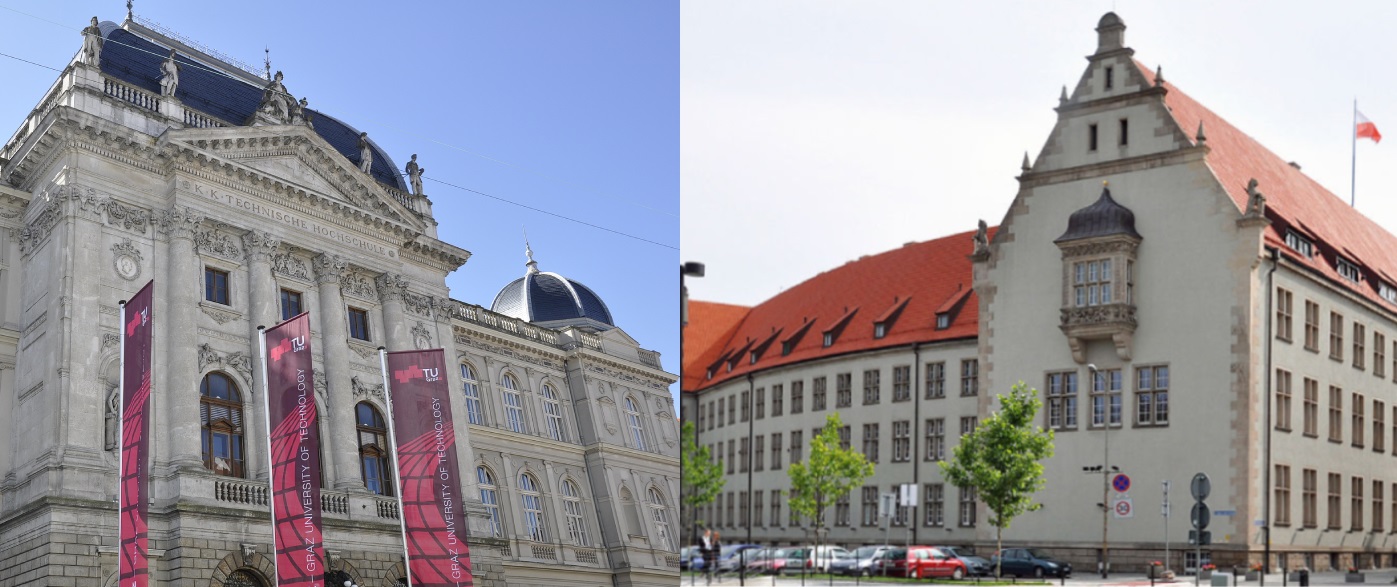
column 1124, row 508
column 1193, row 537
column 1200, row 515
column 1201, row 486
column 1121, row 483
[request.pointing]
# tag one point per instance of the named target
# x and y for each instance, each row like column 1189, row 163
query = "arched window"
column 633, row 419
column 660, row 515
column 374, row 461
column 242, row 578
column 489, row 497
column 572, row 508
column 553, row 410
column 474, row 413
column 221, row 415
column 533, row 508
column 513, row 405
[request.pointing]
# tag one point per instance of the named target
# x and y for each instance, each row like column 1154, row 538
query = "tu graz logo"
column 288, row 345
column 140, row 319
column 414, row 372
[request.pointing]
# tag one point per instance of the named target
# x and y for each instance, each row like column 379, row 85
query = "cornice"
column 594, row 360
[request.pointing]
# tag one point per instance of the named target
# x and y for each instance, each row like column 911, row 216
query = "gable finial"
column 1062, row 99
column 1026, row 165
column 1158, row 76
column 529, row 253
column 1200, row 137
column 267, row 61
column 129, row 14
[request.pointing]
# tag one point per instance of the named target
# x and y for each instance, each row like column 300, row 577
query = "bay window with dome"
column 1098, row 276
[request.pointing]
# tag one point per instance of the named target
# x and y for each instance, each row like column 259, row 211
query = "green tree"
column 1002, row 459
column 702, row 478
column 829, row 472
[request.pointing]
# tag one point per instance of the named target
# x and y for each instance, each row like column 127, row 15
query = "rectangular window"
column 1336, row 489
column 935, row 505
column 1091, row 137
column 778, row 399
column 1336, row 336
column 216, row 286
column 1299, row 243
column 732, row 456
column 967, row 508
column 759, row 402
column 1356, row 504
column 841, row 510
column 817, row 394
column 845, row 437
column 776, row 451
column 1308, row 498
column 843, row 390
column 359, row 324
column 1359, row 338
column 1091, row 283
column 1284, row 301
column 899, row 513
column 1283, row 396
column 870, row 442
column 775, row 508
column 969, row 377
column 746, row 410
column 1062, row 400
column 290, row 304
column 869, row 518
column 936, row 439
column 1311, row 326
column 797, row 397
column 1282, row 506
column 743, row 519
column 1388, row 293
column 1152, row 396
column 757, row 501
column 744, row 455
column 1379, row 354
column 1336, row 414
column 1106, row 398
column 732, row 410
column 1311, row 407
column 902, row 383
column 711, row 419
column 1347, row 269
column 1379, row 426
column 1377, row 505
column 758, row 453
column 936, row 380
column 968, row 424
column 902, row 441
column 871, row 392
column 1358, row 405
column 1110, row 78
column 1125, row 132
column 797, row 449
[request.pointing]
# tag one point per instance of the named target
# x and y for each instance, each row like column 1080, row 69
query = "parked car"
column 1022, row 562
column 923, row 561
column 774, row 561
column 821, row 557
column 730, row 559
column 976, row 566
column 860, row 562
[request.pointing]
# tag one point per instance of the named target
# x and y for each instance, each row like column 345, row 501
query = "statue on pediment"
column 169, row 75
column 276, row 102
column 414, row 175
column 366, row 153
column 92, row 43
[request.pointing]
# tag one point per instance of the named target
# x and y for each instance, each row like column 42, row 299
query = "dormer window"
column 786, row 348
column 753, row 356
column 1299, row 243
column 1387, row 292
column 832, row 333
column 880, row 330
column 943, row 321
column 829, row 339
column 1347, row 269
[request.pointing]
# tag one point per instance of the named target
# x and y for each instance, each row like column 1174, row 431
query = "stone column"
column 391, row 287
column 262, row 311
column 182, row 433
column 342, row 442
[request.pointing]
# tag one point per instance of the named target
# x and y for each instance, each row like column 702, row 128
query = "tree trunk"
column 999, row 551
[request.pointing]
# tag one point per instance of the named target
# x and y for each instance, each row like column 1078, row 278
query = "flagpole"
column 271, row 458
column 120, row 434
column 393, row 450
column 1353, row 169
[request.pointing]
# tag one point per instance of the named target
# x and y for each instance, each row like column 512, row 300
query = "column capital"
column 260, row 245
column 328, row 268
column 391, row 286
column 180, row 222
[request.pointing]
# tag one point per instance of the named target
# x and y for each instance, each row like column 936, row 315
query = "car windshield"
column 898, row 553
column 866, row 552
column 1035, row 553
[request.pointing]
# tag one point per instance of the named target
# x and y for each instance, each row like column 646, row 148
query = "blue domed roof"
column 136, row 60
column 549, row 299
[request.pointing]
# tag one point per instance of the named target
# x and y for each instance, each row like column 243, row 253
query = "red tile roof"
column 1293, row 199
column 710, row 326
column 936, row 270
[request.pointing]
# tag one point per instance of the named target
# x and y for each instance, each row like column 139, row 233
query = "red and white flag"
column 1366, row 129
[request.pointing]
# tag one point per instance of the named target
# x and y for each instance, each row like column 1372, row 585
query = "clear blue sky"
column 569, row 107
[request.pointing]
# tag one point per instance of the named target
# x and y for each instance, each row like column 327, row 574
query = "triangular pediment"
column 299, row 159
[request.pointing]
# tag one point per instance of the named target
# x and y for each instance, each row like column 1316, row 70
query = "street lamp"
column 695, row 269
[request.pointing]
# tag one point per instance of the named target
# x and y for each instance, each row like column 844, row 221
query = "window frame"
column 376, row 448
column 513, row 402
column 531, row 502
column 292, row 303
column 218, row 285
column 234, row 430
column 357, row 321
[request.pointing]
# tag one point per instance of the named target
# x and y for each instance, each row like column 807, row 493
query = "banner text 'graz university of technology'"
column 433, row 518
column 295, row 450
column 135, row 438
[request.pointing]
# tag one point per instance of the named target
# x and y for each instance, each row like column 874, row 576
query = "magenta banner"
column 295, row 449
column 433, row 519
column 135, row 439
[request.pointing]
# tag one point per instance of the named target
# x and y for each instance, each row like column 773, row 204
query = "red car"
column 923, row 561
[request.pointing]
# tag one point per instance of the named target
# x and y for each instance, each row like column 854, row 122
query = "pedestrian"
column 717, row 554
column 706, row 550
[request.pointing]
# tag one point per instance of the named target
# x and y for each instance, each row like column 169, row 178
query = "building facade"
column 1183, row 300
column 246, row 207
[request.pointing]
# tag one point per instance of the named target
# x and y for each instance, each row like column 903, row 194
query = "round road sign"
column 1200, row 516
column 1121, row 483
column 1122, row 508
column 1201, row 486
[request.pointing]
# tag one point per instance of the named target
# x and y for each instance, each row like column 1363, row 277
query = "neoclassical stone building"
column 246, row 207
column 1209, row 309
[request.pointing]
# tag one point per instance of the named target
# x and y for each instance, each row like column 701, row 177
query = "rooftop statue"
column 366, row 153
column 414, row 175
column 169, row 75
column 92, row 43
column 276, row 102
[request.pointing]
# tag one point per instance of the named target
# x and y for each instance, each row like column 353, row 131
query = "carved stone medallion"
column 126, row 260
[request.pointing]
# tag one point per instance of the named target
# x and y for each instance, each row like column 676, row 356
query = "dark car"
column 977, row 566
column 862, row 561
column 1023, row 562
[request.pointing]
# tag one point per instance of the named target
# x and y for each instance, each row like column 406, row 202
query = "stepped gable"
column 929, row 272
column 1293, row 199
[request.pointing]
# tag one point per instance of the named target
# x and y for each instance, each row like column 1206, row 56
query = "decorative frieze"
column 322, row 388
column 260, row 245
column 34, row 233
column 290, row 265
column 627, row 377
column 237, row 360
column 128, row 218
column 507, row 352
column 180, row 221
column 356, row 283
column 329, row 268
column 219, row 315
column 418, row 304
column 391, row 286
column 421, row 336
column 110, row 339
column 218, row 244
column 365, row 390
